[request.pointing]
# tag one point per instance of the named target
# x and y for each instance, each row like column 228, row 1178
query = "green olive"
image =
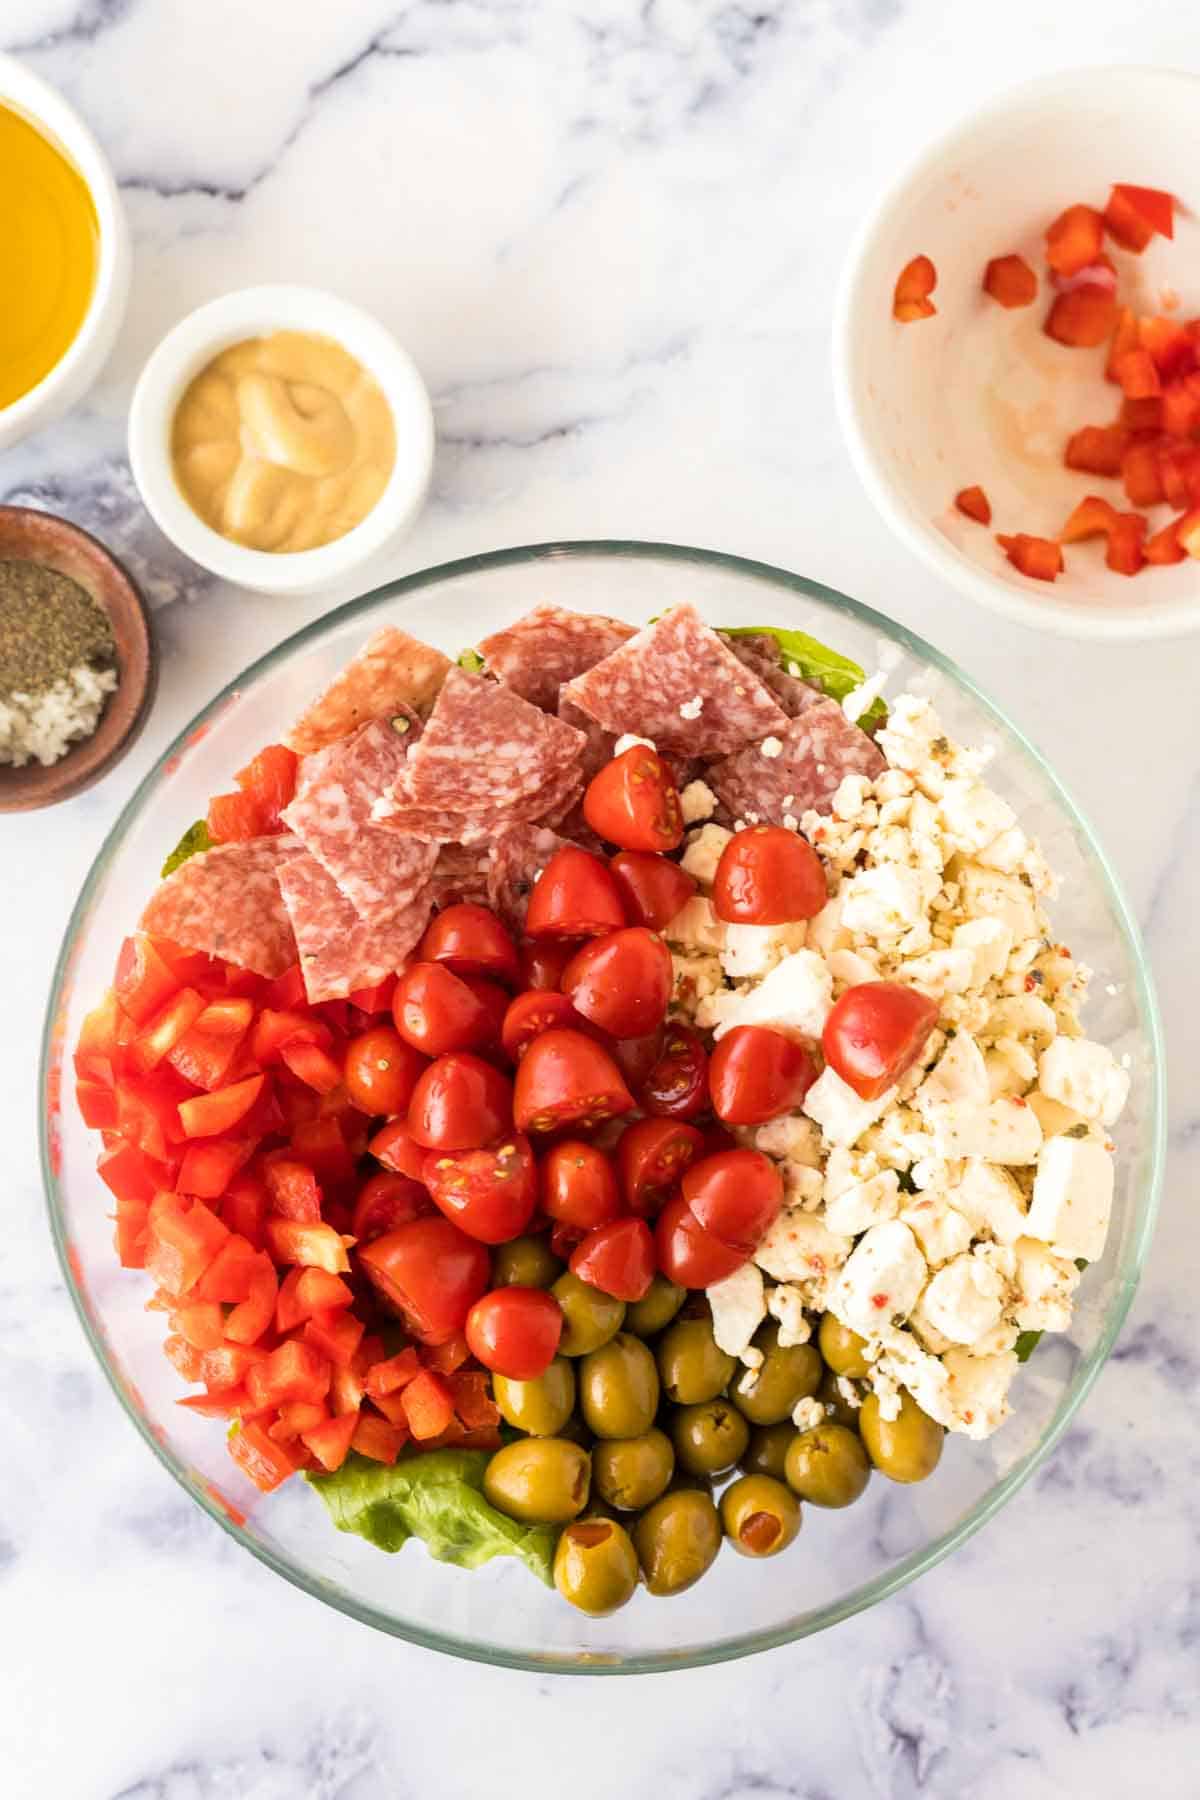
column 692, row 1367
column 595, row 1566
column 767, row 1395
column 842, row 1348
column 541, row 1406
column 677, row 1540
column 632, row 1472
column 836, row 1405
column 576, row 1432
column 760, row 1515
column 590, row 1318
column 525, row 1262
column 656, row 1308
column 709, row 1438
column 541, row 1481
column 766, row 1453
column 827, row 1465
column 905, row 1448
column 618, row 1388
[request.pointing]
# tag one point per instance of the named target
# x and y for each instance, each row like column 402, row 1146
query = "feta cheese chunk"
column 939, row 1228
column 990, row 942
column 696, row 926
column 1085, row 1077
column 807, row 1414
column 865, row 1204
column 695, row 978
column 971, row 815
column 697, row 802
column 1003, row 1131
column 1023, row 1017
column 704, row 853
column 964, row 1300
column 987, row 894
column 799, row 1247
column 888, row 900
column 795, row 997
column 1044, row 1283
column 939, row 972
column 786, row 1305
column 738, row 1308
column 991, row 1200
column 977, row 1388
column 1072, row 1197
column 958, row 1078
column 790, row 1136
column 881, row 1281
column 842, row 1116
column 752, row 951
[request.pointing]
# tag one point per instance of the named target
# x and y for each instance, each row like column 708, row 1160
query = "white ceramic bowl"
column 254, row 312
column 75, row 372
column 980, row 395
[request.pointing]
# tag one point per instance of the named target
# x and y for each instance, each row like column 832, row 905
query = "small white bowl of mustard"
column 64, row 255
column 281, row 437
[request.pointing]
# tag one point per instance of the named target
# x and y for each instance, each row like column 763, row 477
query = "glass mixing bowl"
column 843, row 1561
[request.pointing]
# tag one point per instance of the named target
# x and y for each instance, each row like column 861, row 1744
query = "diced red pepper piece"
column 1180, row 405
column 287, row 992
column 914, row 284
column 1179, row 472
column 292, row 1371
column 1164, row 547
column 295, row 1417
column 234, row 817
column 204, row 1058
column 346, row 1390
column 1075, row 239
column 1037, row 557
column 392, row 1408
column 208, row 1168
column 320, row 1143
column 975, row 504
column 228, row 1404
column 258, row 1456
column 1138, row 374
column 1093, row 517
column 330, row 1441
column 144, row 980
column 1187, row 531
column 1081, row 319
column 1010, row 280
column 1134, row 214
column 273, row 1030
column 132, row 1219
column 97, row 1105
column 165, row 1029
column 375, row 999
column 428, row 1404
column 289, row 1308
column 318, row 1246
column 1170, row 343
column 129, row 1174
column 1124, row 338
column 229, row 1276
column 200, row 1323
column 294, row 1190
column 148, row 1111
column 229, row 1366
column 270, row 780
column 184, row 1358
column 254, row 1316
column 335, row 1334
column 447, row 1357
column 1140, row 473
column 181, row 1244
column 312, row 1065
column 376, row 1438
column 244, row 1208
column 210, row 1115
column 1141, row 415
column 1097, row 449
column 472, row 1400
column 319, row 1291
column 395, row 1373
column 1125, row 555
column 100, row 1054
column 457, row 1437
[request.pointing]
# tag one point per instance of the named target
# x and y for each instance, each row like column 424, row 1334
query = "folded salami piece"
column 815, row 752
column 226, row 902
column 391, row 671
column 338, row 951
column 515, row 861
column 379, row 871
column 549, row 646
column 460, row 874
column 678, row 683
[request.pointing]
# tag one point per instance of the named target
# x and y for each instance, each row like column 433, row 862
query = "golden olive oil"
column 49, row 247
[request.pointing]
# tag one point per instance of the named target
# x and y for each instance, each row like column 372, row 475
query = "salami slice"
column 460, row 873
column 816, row 751
column 761, row 653
column 598, row 744
column 380, row 872
column 548, row 647
column 678, row 683
column 391, row 670
column 515, row 861
column 338, row 951
column 226, row 902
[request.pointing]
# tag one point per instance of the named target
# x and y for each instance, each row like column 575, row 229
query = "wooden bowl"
column 27, row 535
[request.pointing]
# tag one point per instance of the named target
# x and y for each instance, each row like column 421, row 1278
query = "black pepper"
column 48, row 626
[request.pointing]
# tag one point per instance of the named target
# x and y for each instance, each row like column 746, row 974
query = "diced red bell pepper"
column 1164, row 547
column 914, row 284
column 208, row 1168
column 102, row 1051
column 317, row 1246
column 472, row 1400
column 375, row 999
column 165, row 1029
column 1134, row 214
column 273, row 1029
column 200, row 1323
column 294, row 1190
column 1181, row 407
column 1010, row 280
column 229, row 1366
column 374, row 1437
column 295, row 1417
column 389, row 1376
column 211, row 1115
column 229, row 1276
column 292, row 1371
column 319, row 1143
column 148, row 1111
column 1140, row 416
column 1187, row 531
column 1093, row 517
column 1138, row 375
column 1124, row 338
column 205, row 1057
column 180, row 1245
column 312, row 1065
column 457, row 1437
column 428, row 1404
column 184, row 1357
column 392, row 1408
column 270, row 780
column 330, row 1442
column 289, row 1308
column 144, row 980
column 1037, row 557
column 1081, row 319
column 319, row 1291
column 1170, row 343
column 446, row 1358
column 234, row 817
column 1075, row 239
column 287, row 992
column 1097, row 449
column 1124, row 554
column 1141, row 475
column 97, row 1105
column 1179, row 472
column 335, row 1334
column 394, row 1147
column 131, row 1175
column 258, row 1456
column 132, row 1219
column 244, row 1208
column 347, row 1391
column 228, row 1404
column 974, row 503
column 229, row 1015
column 255, row 1315
column 299, row 1104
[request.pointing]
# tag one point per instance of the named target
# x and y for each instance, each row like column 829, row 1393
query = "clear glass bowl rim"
column 869, row 1593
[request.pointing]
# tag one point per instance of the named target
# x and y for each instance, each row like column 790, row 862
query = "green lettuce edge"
column 834, row 674
column 194, row 840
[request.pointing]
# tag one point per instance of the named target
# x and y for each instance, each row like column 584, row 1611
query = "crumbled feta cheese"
column 697, row 801
column 939, row 972
column 940, row 1229
column 786, row 1305
column 790, row 1136
column 1008, row 852
column 695, row 977
column 803, row 1186
column 798, row 1247
column 883, row 1276
column 1010, row 1068
column 992, row 1201
column 971, row 815
column 630, row 742
column 752, row 951
column 886, row 901
column 807, row 1414
column 977, row 1387
column 958, row 1078
column 738, row 1308
column 987, row 894
column 838, row 1110
column 703, row 852
column 865, row 1204
column 1025, row 1018
column 826, row 932
column 848, row 1392
column 691, row 709
column 1053, row 1117
column 851, row 796
column 711, row 1011
column 696, row 926
column 1003, row 1131
column 795, row 997
column 964, row 1300
column 1044, row 1284
column 912, row 727
column 990, row 942
column 1085, row 1077
column 851, row 968
column 862, row 698
column 904, row 1361
column 771, row 747
column 1072, row 1197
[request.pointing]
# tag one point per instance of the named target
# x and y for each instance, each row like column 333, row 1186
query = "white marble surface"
column 609, row 232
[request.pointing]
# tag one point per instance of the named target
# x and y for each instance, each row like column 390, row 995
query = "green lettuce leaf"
column 834, row 674
column 1026, row 1344
column 194, row 839
column 471, row 661
column 438, row 1498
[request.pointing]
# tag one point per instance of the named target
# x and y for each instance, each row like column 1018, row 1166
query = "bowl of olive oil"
column 64, row 254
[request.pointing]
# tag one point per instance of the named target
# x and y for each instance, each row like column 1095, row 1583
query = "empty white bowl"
column 979, row 395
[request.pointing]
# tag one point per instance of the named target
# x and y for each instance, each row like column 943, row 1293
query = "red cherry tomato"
column 533, row 1012
column 471, row 939
column 651, row 1157
column 622, row 982
column 687, row 1254
column 429, row 1272
column 490, row 1194
column 579, row 1185
column 567, row 1078
column 736, row 1195
column 653, row 887
column 494, row 1000
column 381, row 1071
column 636, row 1057
column 618, row 1259
column 386, row 1201
column 768, row 875
column 875, row 1032
column 397, row 1149
column 564, row 1239
column 543, row 961
column 677, row 1085
column 756, row 1074
column 574, row 896
column 460, row 1103
column 436, row 1011
column 514, row 1331
column 716, row 1138
column 634, row 802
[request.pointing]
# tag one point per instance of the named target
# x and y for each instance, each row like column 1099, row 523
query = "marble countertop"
column 608, row 232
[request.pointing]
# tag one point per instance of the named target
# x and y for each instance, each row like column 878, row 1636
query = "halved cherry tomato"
column 490, row 1194
column 756, row 1074
column 472, row 941
column 514, row 1331
column 914, row 284
column 653, row 888
column 677, row 1085
column 875, row 1032
column 543, row 961
column 686, row 1253
column 768, row 875
column 622, row 982
column 533, row 1012
column 736, row 1195
column 579, row 1185
column 574, row 896
column 396, row 1148
column 564, row 1240
column 652, row 1155
column 618, row 1259
column 636, row 1057
column 437, row 1011
column 494, row 1000
column 386, row 1201
column 382, row 1070
column 431, row 1273
column 566, row 1078
column 460, row 1103
column 633, row 802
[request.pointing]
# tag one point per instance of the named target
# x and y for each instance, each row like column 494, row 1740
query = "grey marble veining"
column 609, row 232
